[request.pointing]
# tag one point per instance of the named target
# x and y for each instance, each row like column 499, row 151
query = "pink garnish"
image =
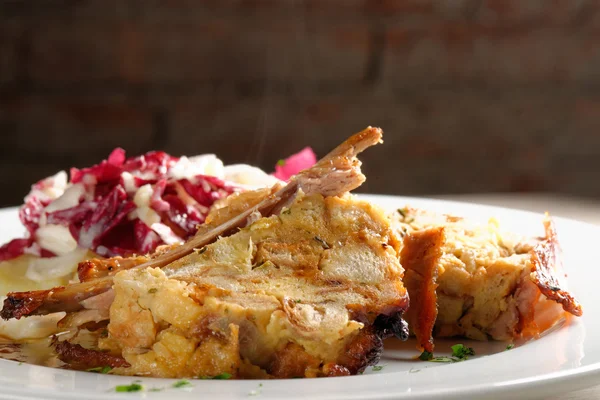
column 106, row 171
column 14, row 248
column 156, row 202
column 207, row 189
column 108, row 214
column 146, row 240
column 289, row 167
column 30, row 213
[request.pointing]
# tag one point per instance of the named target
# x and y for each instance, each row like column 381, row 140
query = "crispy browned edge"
column 547, row 262
column 80, row 357
column 420, row 258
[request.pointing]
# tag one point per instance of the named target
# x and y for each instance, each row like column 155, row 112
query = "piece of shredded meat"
column 77, row 355
column 420, row 256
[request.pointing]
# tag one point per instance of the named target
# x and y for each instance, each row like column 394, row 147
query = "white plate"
column 564, row 360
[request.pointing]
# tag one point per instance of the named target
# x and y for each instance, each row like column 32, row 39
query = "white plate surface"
column 564, row 360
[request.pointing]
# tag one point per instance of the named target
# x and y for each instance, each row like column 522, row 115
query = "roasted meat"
column 420, row 256
column 488, row 283
column 295, row 281
column 291, row 295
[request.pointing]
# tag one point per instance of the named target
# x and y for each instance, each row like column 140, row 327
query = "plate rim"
column 555, row 382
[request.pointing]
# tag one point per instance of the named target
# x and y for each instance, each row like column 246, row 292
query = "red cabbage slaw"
column 126, row 206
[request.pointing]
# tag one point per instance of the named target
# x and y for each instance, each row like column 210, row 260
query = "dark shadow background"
column 473, row 95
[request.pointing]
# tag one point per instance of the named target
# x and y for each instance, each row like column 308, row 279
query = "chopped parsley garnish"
column 134, row 387
column 156, row 389
column 510, row 346
column 298, row 301
column 182, row 383
column 413, row 371
column 461, row 351
column 281, row 163
column 378, row 368
column 152, row 290
column 403, row 212
column 102, row 370
column 224, row 375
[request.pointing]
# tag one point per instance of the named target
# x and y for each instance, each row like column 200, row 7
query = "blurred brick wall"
column 473, row 95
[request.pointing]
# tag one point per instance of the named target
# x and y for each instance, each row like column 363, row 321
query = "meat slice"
column 78, row 356
column 490, row 283
column 420, row 257
column 312, row 291
column 336, row 173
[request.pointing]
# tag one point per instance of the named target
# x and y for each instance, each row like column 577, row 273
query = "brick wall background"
column 473, row 95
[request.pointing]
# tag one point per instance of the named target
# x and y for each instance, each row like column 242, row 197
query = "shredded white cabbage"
column 59, row 184
column 42, row 269
column 166, row 234
column 128, row 182
column 146, row 215
column 69, row 198
column 56, row 238
column 143, row 195
column 188, row 168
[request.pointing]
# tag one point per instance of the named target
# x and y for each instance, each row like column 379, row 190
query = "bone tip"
column 376, row 132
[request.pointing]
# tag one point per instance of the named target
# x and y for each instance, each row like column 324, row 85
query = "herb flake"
column 281, row 163
column 378, row 368
column 182, row 383
column 510, row 347
column 134, row 387
column 152, row 290
column 224, row 375
column 461, row 351
column 403, row 212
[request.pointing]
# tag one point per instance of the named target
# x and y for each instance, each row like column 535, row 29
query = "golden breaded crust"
column 293, row 294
